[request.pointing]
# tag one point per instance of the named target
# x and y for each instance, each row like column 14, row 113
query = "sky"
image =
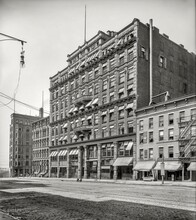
column 54, row 29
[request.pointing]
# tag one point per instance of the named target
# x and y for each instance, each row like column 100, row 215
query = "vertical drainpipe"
column 151, row 24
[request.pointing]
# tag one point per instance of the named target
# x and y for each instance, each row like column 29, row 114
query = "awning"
column 61, row 138
column 111, row 93
column 65, row 138
column 129, row 146
column 121, row 90
column 82, row 107
column 71, row 111
column 130, row 105
column 75, row 137
column 95, row 101
column 75, row 109
column 53, row 153
column 73, row 152
column 104, row 113
column 62, row 153
column 121, row 108
column 192, row 166
column 105, row 167
column 169, row 165
column 123, row 161
column 119, row 42
column 65, row 125
column 144, row 165
column 89, row 117
column 111, row 110
column 89, row 104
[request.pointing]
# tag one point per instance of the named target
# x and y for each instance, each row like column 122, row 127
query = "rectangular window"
column 96, row 89
column 90, row 76
column 130, row 127
column 111, row 116
column 112, row 81
column 121, row 77
column 121, row 60
column 121, row 113
column 161, row 121
column 96, row 133
column 171, row 152
column 111, row 131
column 72, row 85
column 141, row 138
column 141, row 125
column 150, row 153
column 171, row 119
column 130, row 55
column 96, row 119
column 104, row 68
column 104, row 132
column 182, row 116
column 90, row 90
column 96, row 73
column 104, row 119
column 83, row 79
column 161, row 135
column 104, row 99
column 145, row 137
column 121, row 128
column 130, row 89
column 151, row 137
column 150, row 123
column 160, row 152
column 143, row 51
column 111, row 96
column 104, row 84
column 171, row 134
column 193, row 114
column 112, row 63
column 141, row 154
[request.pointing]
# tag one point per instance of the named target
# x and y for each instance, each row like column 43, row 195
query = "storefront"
column 173, row 170
column 124, row 167
column 144, row 170
column 192, row 169
column 73, row 163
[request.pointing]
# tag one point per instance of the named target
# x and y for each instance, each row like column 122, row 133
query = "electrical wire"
column 20, row 102
column 7, row 106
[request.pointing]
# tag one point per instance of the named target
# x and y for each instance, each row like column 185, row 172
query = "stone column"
column 99, row 161
column 67, row 163
column 79, row 163
column 115, row 156
column 183, row 172
column 49, row 164
column 85, row 162
column 58, row 165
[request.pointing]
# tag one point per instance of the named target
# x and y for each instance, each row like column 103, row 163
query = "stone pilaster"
column 79, row 163
column 85, row 162
column 99, row 161
column 58, row 167
column 68, row 165
column 115, row 156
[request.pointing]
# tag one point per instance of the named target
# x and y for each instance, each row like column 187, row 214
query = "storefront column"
column 68, row 163
column 79, row 163
column 49, row 166
column 99, row 161
column 191, row 173
column 58, row 167
column 115, row 156
column 85, row 162
column 182, row 172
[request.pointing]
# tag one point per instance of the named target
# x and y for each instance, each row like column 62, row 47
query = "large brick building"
column 20, row 146
column 166, row 132
column 40, row 147
column 92, row 100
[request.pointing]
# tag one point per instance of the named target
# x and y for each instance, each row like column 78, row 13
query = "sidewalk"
column 186, row 183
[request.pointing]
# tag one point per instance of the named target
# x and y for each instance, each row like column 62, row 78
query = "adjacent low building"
column 40, row 147
column 166, row 134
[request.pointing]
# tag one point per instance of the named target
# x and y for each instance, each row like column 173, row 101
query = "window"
column 121, row 128
column 150, row 153
column 104, row 118
column 121, row 77
column 129, row 112
column 112, row 81
column 130, row 127
column 90, row 76
column 171, row 152
column 130, row 89
column 141, row 138
column 160, row 152
column 130, row 74
column 193, row 114
column 72, row 85
column 161, row 61
column 112, row 63
column 111, row 131
column 96, row 73
column 145, row 137
column 141, row 154
column 104, row 99
column 145, row 153
column 171, row 119
column 111, row 96
column 96, row 119
column 143, row 51
column 96, row 133
column 111, row 115
column 193, row 130
column 104, row 132
column 104, row 68
column 184, row 88
column 104, row 84
column 121, row 59
column 130, row 54
column 151, row 136
column 141, row 125
column 150, row 123
column 83, row 92
column 77, row 83
column 96, row 88
column 161, row 135
column 121, row 113
column 83, row 79
column 182, row 116
column 121, row 93
column 161, row 121
column 171, row 134
column 90, row 90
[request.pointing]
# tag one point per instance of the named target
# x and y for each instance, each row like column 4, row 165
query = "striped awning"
column 121, row 90
column 62, row 153
column 95, row 101
column 123, row 161
column 144, row 165
column 65, row 125
column 71, row 111
column 130, row 105
column 192, row 166
column 169, row 165
column 65, row 137
column 89, row 104
column 53, row 153
column 129, row 145
column 73, row 152
column 121, row 108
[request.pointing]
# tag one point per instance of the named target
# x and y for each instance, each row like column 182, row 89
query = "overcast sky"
column 55, row 28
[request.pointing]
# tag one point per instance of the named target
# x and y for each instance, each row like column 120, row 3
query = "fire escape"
column 187, row 138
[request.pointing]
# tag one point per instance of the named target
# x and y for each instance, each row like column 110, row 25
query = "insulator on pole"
column 22, row 62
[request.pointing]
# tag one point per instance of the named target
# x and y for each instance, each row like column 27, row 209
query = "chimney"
column 151, row 66
column 41, row 112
